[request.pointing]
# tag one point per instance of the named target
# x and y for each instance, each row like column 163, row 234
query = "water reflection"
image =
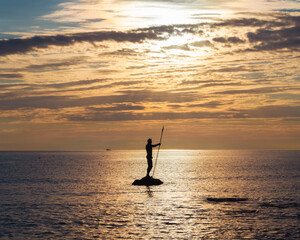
column 149, row 192
column 89, row 195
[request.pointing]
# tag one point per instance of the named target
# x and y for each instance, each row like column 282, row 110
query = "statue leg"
column 149, row 166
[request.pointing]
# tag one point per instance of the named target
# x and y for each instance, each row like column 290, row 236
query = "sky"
column 97, row 74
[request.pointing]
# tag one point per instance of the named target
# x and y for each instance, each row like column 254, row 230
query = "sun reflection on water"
column 206, row 194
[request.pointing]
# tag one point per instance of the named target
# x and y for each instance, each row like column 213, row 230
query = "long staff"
column 162, row 130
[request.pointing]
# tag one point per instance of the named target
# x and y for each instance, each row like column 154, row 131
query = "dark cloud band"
column 277, row 111
column 24, row 45
column 286, row 37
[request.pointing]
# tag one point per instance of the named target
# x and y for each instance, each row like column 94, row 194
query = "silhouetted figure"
column 149, row 147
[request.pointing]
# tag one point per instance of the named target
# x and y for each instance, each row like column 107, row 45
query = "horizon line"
column 169, row 149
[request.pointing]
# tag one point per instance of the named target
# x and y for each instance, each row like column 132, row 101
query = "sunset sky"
column 96, row 74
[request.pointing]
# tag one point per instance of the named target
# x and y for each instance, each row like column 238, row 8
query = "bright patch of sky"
column 25, row 17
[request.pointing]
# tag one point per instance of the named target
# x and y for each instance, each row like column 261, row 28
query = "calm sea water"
column 88, row 195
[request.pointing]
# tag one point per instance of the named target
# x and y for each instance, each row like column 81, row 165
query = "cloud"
column 281, row 32
column 117, row 107
column 72, row 84
column 33, row 90
column 55, row 65
column 121, row 97
column 184, row 47
column 288, row 37
column 62, row 85
column 121, row 52
column 292, row 44
column 275, row 111
column 211, row 83
column 27, row 87
column 278, row 20
column 131, row 116
column 192, row 82
column 11, row 75
column 215, row 84
column 241, row 22
column 24, row 45
column 158, row 30
column 284, row 38
column 260, row 90
column 10, row 85
column 204, row 43
column 211, row 104
column 9, row 81
column 232, row 69
column 262, row 35
column 109, row 85
column 228, row 40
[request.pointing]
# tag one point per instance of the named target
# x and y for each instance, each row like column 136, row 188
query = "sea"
column 206, row 194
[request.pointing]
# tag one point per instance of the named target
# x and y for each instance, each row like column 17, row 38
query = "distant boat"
column 108, row 149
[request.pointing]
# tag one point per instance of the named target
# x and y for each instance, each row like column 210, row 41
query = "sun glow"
column 98, row 15
column 139, row 14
